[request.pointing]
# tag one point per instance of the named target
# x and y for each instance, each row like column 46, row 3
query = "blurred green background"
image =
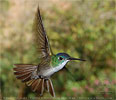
column 81, row 28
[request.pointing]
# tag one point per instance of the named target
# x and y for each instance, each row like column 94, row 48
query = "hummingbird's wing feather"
column 44, row 65
column 40, row 36
column 24, row 71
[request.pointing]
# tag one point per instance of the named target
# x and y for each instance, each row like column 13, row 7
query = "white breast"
column 60, row 66
column 55, row 69
column 49, row 72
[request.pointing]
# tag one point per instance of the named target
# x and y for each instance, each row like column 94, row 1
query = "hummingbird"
column 38, row 76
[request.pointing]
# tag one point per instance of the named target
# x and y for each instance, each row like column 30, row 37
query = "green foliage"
column 84, row 29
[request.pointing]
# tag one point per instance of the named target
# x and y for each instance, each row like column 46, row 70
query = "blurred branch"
column 21, row 94
column 1, row 98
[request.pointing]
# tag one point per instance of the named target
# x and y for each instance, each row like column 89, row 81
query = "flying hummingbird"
column 38, row 76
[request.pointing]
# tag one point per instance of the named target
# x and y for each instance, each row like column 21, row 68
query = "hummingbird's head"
column 63, row 58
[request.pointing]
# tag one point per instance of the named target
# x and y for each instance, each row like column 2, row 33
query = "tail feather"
column 35, row 84
column 29, row 82
column 39, row 85
column 40, row 91
column 46, row 85
column 51, row 89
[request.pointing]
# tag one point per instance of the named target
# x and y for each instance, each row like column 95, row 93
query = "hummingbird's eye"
column 60, row 58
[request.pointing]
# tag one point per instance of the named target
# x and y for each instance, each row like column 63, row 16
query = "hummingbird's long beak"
column 76, row 59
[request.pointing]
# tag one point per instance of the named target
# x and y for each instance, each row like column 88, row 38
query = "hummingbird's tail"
column 39, row 85
column 24, row 73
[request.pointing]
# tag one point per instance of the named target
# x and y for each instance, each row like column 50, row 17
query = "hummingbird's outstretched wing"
column 40, row 36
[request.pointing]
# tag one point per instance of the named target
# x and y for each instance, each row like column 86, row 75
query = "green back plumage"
column 54, row 61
